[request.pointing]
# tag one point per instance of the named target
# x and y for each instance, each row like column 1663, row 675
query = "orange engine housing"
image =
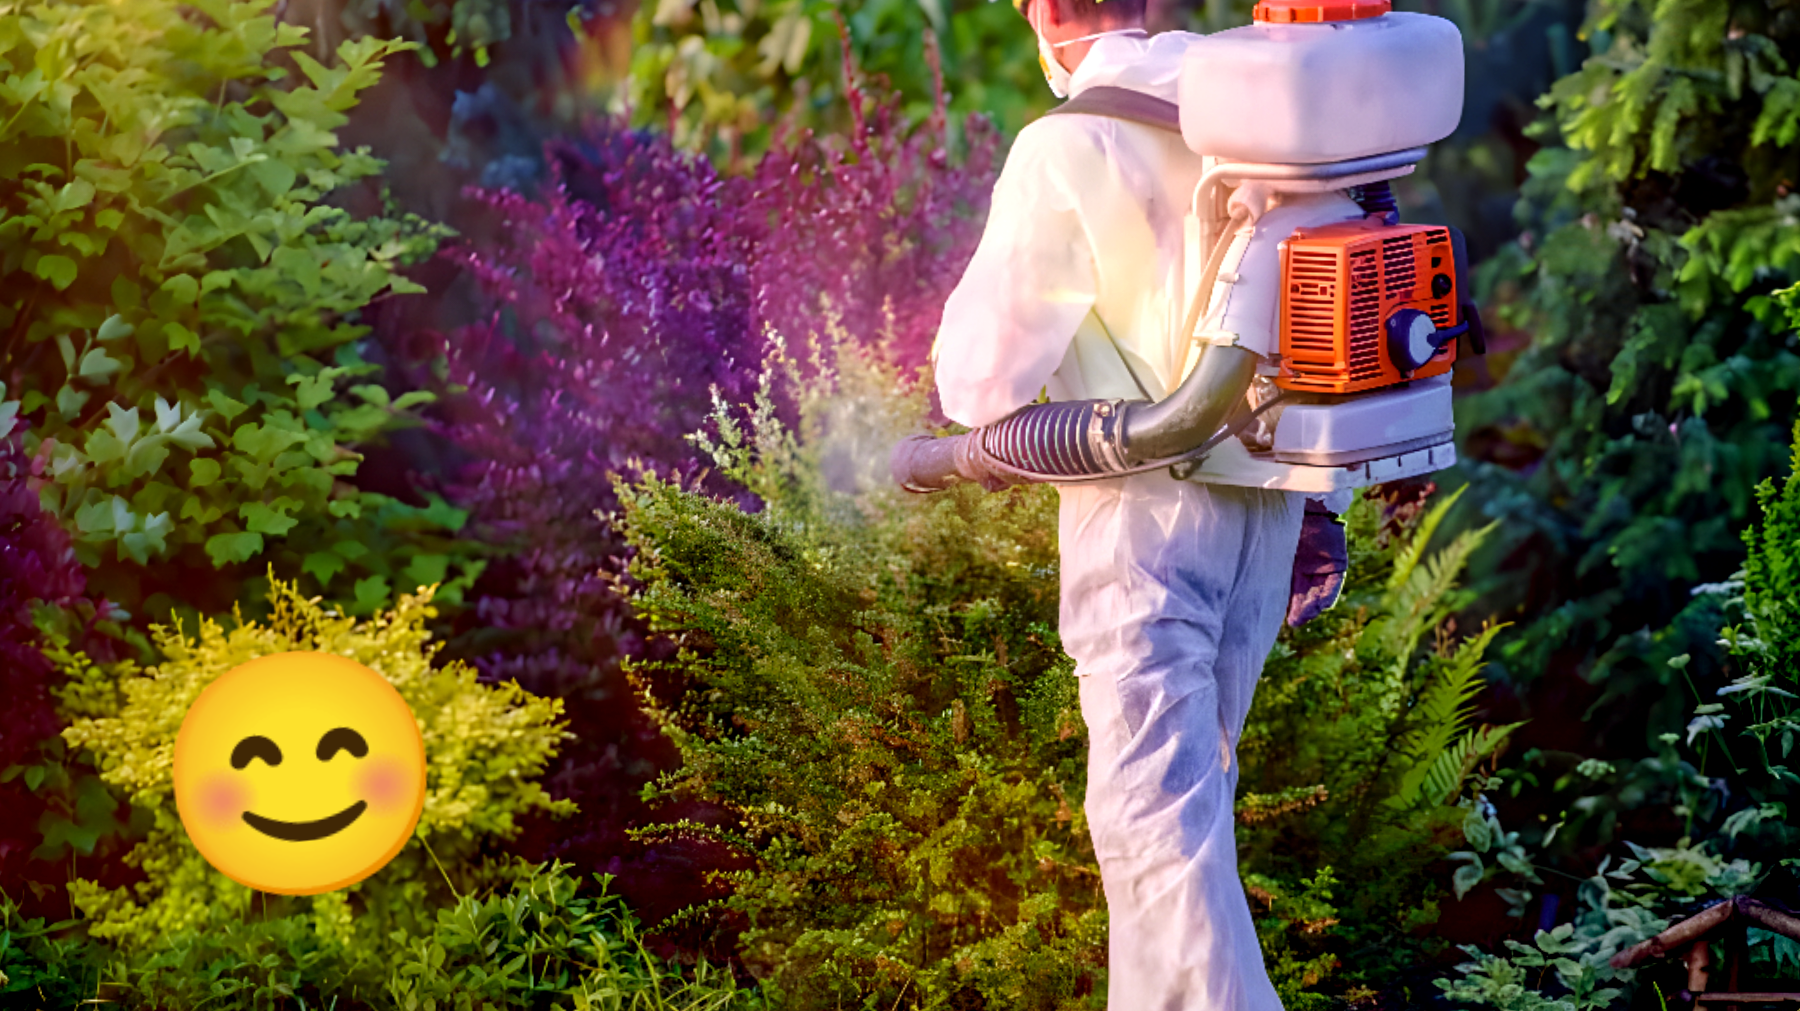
column 1339, row 285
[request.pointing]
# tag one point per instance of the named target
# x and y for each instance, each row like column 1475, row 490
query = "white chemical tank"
column 1320, row 81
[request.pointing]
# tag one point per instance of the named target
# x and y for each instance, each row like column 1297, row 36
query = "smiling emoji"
column 299, row 773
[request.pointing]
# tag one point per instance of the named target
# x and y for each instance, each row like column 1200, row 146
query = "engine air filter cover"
column 1346, row 289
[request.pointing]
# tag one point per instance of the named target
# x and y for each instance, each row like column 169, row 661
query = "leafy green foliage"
column 723, row 74
column 484, row 744
column 542, row 939
column 1363, row 724
column 179, row 299
column 1568, row 968
column 461, row 27
column 877, row 694
column 33, row 960
column 1740, row 838
column 1661, row 379
column 871, row 684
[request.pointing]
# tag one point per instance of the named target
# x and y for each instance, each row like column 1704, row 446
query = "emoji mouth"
column 306, row 831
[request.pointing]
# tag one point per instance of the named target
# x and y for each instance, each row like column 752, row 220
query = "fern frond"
column 1408, row 557
column 1445, row 778
column 1442, row 713
column 1431, row 593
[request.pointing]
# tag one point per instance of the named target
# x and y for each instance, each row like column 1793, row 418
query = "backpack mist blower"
column 1321, row 342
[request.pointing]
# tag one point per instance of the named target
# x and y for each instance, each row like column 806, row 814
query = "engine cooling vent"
column 1365, row 316
column 1399, row 274
column 1312, row 304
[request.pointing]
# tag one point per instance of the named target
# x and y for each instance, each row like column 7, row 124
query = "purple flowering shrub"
column 613, row 308
column 37, row 566
column 47, row 806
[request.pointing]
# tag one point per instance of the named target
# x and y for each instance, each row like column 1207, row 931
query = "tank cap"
column 1295, row 11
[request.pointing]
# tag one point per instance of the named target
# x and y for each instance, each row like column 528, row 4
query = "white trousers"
column 1173, row 593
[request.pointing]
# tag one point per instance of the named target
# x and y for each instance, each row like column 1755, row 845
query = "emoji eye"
column 255, row 747
column 342, row 739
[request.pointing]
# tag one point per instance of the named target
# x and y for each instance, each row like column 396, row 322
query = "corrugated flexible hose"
column 1078, row 441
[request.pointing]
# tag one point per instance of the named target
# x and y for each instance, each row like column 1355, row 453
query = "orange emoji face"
column 299, row 773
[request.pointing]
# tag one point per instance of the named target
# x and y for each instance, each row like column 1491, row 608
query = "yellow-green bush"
column 484, row 744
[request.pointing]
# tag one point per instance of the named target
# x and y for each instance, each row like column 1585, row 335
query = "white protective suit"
column 1172, row 591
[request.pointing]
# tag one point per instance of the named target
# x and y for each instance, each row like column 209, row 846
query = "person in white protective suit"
column 1172, row 591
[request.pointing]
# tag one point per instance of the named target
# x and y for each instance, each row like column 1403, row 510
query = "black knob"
column 1440, row 285
column 1409, row 339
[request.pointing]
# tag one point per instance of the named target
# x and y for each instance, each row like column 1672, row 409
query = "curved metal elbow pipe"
column 1185, row 419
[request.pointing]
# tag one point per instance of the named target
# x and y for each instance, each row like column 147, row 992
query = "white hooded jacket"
column 1036, row 308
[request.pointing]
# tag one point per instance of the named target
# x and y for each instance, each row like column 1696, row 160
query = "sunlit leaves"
column 1662, row 371
column 485, row 745
column 165, row 197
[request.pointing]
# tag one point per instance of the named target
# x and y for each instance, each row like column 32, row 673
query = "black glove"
column 1319, row 565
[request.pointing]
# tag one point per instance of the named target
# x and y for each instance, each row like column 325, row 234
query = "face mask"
column 1055, row 74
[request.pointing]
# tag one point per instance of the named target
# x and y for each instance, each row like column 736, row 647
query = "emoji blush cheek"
column 223, row 800
column 383, row 785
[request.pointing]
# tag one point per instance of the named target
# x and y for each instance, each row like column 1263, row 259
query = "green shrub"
column 543, row 941
column 1355, row 756
column 724, row 74
column 872, row 684
column 1661, row 379
column 484, row 744
column 180, row 299
column 1732, row 790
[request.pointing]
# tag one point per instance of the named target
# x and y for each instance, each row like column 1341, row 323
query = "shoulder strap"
column 1123, row 103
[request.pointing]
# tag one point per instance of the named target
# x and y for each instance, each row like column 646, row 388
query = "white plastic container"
column 1357, row 429
column 1306, row 93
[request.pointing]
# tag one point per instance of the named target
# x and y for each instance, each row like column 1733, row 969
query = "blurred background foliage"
column 376, row 295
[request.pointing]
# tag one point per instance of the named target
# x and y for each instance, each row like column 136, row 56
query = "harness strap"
column 1134, row 107
column 1123, row 103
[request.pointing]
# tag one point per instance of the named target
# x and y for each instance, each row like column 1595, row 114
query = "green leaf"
column 445, row 515
column 202, row 472
column 225, row 549
column 180, row 338
column 58, row 270
column 375, row 395
column 69, row 402
column 1466, row 878
column 95, row 517
column 426, row 570
column 311, row 391
column 227, row 407
column 104, row 447
column 123, row 423
column 115, row 328
column 323, row 565
column 269, row 518
column 263, row 441
column 183, row 288
column 371, row 591
column 97, row 365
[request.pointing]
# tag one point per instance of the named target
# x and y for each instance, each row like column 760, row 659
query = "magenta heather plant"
column 37, row 566
column 38, row 569
column 643, row 281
